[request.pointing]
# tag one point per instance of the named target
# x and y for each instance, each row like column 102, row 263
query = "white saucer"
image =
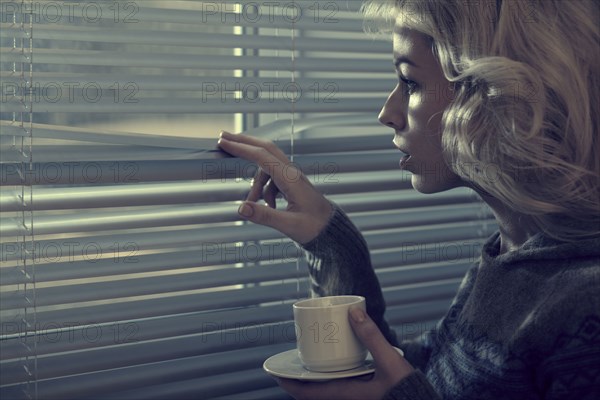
column 288, row 365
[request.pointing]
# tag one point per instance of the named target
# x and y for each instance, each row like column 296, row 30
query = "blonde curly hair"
column 524, row 124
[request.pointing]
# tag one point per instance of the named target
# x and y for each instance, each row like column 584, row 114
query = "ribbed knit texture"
column 523, row 325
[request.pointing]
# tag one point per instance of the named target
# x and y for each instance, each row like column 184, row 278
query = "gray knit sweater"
column 523, row 325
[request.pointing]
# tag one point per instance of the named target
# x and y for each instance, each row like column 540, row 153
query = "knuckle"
column 262, row 152
column 270, row 146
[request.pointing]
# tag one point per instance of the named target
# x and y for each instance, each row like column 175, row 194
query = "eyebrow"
column 403, row 60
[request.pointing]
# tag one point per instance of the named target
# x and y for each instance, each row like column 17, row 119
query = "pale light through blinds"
column 126, row 272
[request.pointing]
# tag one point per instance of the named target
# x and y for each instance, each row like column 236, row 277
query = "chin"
column 432, row 184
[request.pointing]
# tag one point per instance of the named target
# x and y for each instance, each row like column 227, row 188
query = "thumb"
column 386, row 357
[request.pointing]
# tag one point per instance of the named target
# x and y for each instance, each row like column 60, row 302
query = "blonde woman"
column 524, row 99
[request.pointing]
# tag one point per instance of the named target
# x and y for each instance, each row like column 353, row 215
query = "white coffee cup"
column 325, row 339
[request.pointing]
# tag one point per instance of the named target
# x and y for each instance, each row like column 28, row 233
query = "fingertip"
column 246, row 210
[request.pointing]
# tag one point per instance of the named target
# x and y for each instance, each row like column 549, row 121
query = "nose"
column 393, row 112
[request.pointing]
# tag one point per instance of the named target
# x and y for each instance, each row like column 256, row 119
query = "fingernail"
column 245, row 211
column 357, row 314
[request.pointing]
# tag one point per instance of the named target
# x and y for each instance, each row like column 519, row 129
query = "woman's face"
column 414, row 110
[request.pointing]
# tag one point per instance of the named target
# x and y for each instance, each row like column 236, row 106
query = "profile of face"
column 414, row 110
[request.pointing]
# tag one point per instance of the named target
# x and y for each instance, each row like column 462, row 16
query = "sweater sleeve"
column 339, row 264
column 573, row 372
column 571, row 365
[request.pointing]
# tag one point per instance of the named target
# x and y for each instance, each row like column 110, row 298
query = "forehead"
column 411, row 43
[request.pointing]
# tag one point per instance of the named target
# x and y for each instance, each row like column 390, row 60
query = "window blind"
column 126, row 272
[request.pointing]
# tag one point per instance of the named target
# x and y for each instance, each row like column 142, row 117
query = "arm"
column 573, row 372
column 570, row 323
column 312, row 221
column 339, row 263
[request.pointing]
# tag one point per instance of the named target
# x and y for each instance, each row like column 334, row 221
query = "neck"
column 515, row 228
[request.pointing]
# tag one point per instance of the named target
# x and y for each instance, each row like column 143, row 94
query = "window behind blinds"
column 126, row 272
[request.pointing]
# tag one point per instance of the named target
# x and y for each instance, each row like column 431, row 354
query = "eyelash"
column 411, row 86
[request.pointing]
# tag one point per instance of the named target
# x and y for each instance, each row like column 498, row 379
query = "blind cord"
column 293, row 129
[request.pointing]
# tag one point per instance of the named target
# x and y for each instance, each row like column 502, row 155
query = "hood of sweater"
column 539, row 248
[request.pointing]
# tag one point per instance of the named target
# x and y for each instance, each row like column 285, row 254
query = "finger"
column 285, row 222
column 266, row 160
column 384, row 354
column 254, row 141
column 270, row 194
column 257, row 185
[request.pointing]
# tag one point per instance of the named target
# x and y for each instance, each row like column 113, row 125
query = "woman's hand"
column 308, row 210
column 390, row 369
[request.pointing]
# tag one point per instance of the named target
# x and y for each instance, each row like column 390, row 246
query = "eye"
column 410, row 87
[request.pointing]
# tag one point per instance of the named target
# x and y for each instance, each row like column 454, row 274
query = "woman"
column 521, row 80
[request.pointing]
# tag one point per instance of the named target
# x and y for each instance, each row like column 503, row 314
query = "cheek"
column 427, row 112
column 427, row 125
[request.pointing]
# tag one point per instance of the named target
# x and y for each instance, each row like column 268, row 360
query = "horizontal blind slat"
column 152, row 217
column 384, row 186
column 277, row 128
column 409, row 239
column 130, row 354
column 401, row 199
column 207, row 255
column 95, row 247
column 450, row 253
column 410, row 267
column 135, row 353
column 79, row 134
column 78, row 337
column 98, row 336
column 174, row 304
column 123, row 288
column 268, row 103
column 419, row 267
column 207, row 83
column 56, row 152
column 203, row 169
column 214, row 386
column 429, row 262
column 315, row 14
column 124, row 263
column 279, row 331
column 57, row 336
column 197, row 39
column 93, row 221
column 469, row 233
column 214, row 62
column 102, row 382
